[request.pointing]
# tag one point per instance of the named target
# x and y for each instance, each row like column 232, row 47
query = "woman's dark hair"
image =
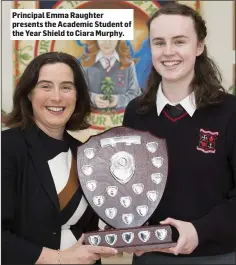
column 206, row 83
column 22, row 112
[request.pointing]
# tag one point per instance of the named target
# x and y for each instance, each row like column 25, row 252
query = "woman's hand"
column 85, row 254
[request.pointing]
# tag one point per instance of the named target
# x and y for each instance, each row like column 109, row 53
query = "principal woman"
column 44, row 213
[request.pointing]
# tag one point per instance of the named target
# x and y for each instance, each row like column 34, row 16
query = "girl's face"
column 107, row 47
column 174, row 47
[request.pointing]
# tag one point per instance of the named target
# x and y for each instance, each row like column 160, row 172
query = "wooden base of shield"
column 132, row 239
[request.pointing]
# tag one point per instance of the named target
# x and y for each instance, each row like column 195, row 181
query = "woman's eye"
column 66, row 87
column 179, row 42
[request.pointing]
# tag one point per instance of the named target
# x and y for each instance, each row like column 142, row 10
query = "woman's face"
column 54, row 96
column 107, row 47
column 174, row 47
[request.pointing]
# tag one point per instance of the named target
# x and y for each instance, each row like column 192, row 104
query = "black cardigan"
column 30, row 206
column 201, row 184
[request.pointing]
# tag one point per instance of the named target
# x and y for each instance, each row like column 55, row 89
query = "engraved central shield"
column 123, row 173
column 122, row 166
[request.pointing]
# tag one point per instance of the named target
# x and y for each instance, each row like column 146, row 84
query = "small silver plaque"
column 94, row 240
column 127, row 218
column 111, row 212
column 157, row 161
column 111, row 239
column 138, row 188
column 126, row 201
column 152, row 147
column 157, row 178
column 91, row 185
column 113, row 141
column 161, row 233
column 87, row 170
column 89, row 152
column 144, row 235
column 152, row 195
column 112, row 190
column 98, row 200
column 128, row 237
column 142, row 210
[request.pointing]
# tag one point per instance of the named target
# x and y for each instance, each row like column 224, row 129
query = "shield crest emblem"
column 123, row 173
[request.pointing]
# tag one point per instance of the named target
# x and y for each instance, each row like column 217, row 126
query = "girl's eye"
column 46, row 87
column 159, row 44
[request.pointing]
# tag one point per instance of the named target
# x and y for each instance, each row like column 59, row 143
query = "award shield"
column 123, row 173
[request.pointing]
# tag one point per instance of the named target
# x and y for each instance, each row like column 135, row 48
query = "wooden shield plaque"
column 123, row 173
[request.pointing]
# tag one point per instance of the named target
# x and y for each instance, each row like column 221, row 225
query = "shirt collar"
column 187, row 103
column 100, row 55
